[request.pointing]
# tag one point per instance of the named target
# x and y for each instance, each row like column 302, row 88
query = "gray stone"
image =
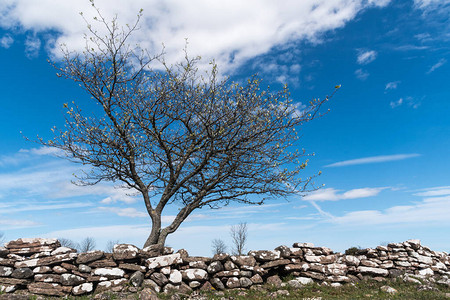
column 233, row 282
column 159, row 278
column 3, row 252
column 217, row 284
column 245, row 282
column 285, row 251
column 175, row 277
column 151, row 251
column 125, row 252
column 22, row 273
column 72, row 279
column 43, row 288
column 84, row 268
column 274, row 280
column 5, row 271
column 388, row 289
column 214, row 267
column 32, row 245
column 88, row 257
column 83, row 288
column 372, row 271
column 244, row 260
column 137, row 278
column 304, row 280
column 164, row 261
column 265, row 255
column 194, row 275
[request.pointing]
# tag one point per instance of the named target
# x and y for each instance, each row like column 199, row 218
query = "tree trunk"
column 154, row 236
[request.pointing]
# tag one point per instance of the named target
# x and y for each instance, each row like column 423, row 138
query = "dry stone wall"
column 43, row 267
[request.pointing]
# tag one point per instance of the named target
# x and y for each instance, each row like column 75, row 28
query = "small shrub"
column 352, row 251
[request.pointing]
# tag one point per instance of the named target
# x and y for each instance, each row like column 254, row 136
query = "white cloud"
column 361, row 74
column 366, row 57
column 6, row 41
column 429, row 211
column 437, row 65
column 409, row 101
column 372, row 159
column 16, row 224
column 331, row 194
column 392, row 85
column 397, row 103
column 229, row 31
column 21, row 207
column 44, row 150
column 437, row 191
column 32, row 46
column 428, row 5
column 125, row 212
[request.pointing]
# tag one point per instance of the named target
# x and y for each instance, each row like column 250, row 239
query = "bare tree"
column 87, row 244
column 178, row 136
column 110, row 245
column 68, row 243
column 218, row 246
column 239, row 237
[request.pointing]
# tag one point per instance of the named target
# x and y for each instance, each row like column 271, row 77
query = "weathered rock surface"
column 59, row 271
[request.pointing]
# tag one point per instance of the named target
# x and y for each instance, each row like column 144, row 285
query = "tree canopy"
column 178, row 135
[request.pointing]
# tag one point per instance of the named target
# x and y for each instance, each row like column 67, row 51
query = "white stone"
column 165, row 270
column 336, row 284
column 426, row 272
column 197, row 274
column 83, row 288
column 116, row 272
column 374, row 271
column 61, row 250
column 388, row 289
column 27, row 263
column 175, row 277
column 304, row 280
column 163, row 261
column 312, row 258
column 7, row 288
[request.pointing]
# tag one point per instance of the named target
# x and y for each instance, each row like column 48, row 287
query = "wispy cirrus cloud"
column 32, row 46
column 392, row 85
column 361, row 74
column 429, row 211
column 17, row 224
column 437, row 65
column 6, row 41
column 372, row 160
column 366, row 56
column 408, row 101
column 331, row 194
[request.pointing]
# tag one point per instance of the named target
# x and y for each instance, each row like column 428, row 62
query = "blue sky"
column 382, row 148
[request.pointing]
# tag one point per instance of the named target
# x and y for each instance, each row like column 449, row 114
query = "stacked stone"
column 43, row 267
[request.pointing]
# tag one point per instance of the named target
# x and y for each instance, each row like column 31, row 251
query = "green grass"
column 362, row 290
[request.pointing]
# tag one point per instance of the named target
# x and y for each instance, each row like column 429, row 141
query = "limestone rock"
column 5, row 271
column 3, row 252
column 285, row 251
column 62, row 250
column 72, row 279
column 163, row 261
column 256, row 279
column 110, row 273
column 245, row 282
column 214, row 267
column 233, row 282
column 43, row 288
column 125, row 252
column 84, row 268
column 244, row 260
column 217, row 284
column 59, row 270
column 31, row 246
column 274, row 280
column 194, row 274
column 137, row 278
column 151, row 251
column 388, row 290
column 46, row 261
column 373, row 271
column 103, row 263
column 83, row 288
column 159, row 278
column 303, row 245
column 175, row 277
column 49, row 278
column 91, row 256
column 265, row 255
column 276, row 263
column 148, row 294
column 22, row 273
